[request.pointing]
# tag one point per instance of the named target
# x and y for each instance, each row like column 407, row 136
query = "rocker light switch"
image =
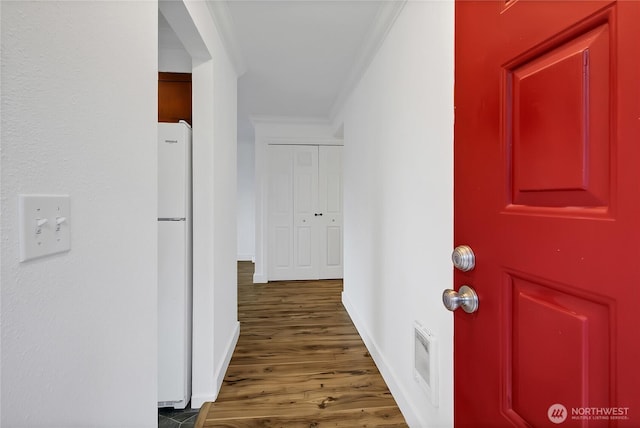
column 44, row 225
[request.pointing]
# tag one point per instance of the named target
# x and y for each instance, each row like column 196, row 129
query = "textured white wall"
column 1, row 216
column 398, row 193
column 226, row 326
column 172, row 56
column 79, row 329
column 246, row 201
column 215, row 318
column 174, row 60
column 203, row 379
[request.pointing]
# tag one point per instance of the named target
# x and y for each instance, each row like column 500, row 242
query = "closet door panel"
column 280, row 209
column 305, row 204
column 330, row 205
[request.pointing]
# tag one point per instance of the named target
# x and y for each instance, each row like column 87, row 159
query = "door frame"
column 279, row 131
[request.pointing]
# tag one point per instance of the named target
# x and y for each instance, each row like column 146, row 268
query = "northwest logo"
column 557, row 413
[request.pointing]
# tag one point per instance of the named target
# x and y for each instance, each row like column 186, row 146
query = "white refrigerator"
column 174, row 265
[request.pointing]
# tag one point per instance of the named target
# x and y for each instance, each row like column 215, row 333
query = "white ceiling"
column 301, row 56
column 297, row 53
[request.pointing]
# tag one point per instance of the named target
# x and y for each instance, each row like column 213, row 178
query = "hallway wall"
column 214, row 80
column 398, row 196
column 215, row 320
column 246, row 201
column 79, row 114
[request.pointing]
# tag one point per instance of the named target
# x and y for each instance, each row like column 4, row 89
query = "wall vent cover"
column 425, row 369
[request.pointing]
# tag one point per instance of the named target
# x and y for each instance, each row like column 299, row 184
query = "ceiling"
column 301, row 56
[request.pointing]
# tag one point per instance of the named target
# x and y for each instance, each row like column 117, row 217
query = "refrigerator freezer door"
column 173, row 170
column 174, row 302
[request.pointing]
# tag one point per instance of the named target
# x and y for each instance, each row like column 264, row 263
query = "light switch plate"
column 44, row 225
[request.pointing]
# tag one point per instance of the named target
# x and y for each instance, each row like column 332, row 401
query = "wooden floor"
column 299, row 363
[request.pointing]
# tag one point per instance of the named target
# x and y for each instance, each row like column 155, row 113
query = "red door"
column 547, row 194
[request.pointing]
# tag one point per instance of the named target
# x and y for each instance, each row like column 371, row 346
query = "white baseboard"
column 388, row 374
column 259, row 278
column 198, row 400
column 228, row 353
column 245, row 257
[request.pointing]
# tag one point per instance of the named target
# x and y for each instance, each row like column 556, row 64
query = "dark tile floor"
column 173, row 418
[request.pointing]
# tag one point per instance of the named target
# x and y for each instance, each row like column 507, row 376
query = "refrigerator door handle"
column 171, row 219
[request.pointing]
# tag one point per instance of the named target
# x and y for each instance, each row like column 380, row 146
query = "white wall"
column 172, row 60
column 226, row 325
column 79, row 329
column 172, row 56
column 398, row 189
column 1, row 216
column 215, row 320
column 246, row 201
column 279, row 130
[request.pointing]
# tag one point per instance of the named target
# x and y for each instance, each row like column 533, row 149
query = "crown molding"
column 295, row 130
column 377, row 32
column 288, row 120
column 310, row 141
column 226, row 28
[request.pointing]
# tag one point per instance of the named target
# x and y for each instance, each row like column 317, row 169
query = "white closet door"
column 305, row 208
column 280, row 209
column 305, row 212
column 330, row 205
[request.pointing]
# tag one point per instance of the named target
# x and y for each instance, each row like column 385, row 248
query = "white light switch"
column 44, row 225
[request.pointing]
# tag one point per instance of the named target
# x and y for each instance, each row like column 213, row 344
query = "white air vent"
column 425, row 368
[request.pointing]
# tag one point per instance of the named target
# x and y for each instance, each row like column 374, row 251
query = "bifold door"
column 305, row 212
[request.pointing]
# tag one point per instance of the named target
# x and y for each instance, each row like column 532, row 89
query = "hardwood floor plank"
column 381, row 418
column 297, row 332
column 296, row 405
column 299, row 362
column 329, row 384
column 302, row 368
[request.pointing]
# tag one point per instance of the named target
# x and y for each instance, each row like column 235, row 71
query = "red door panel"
column 558, row 105
column 547, row 194
column 558, row 340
